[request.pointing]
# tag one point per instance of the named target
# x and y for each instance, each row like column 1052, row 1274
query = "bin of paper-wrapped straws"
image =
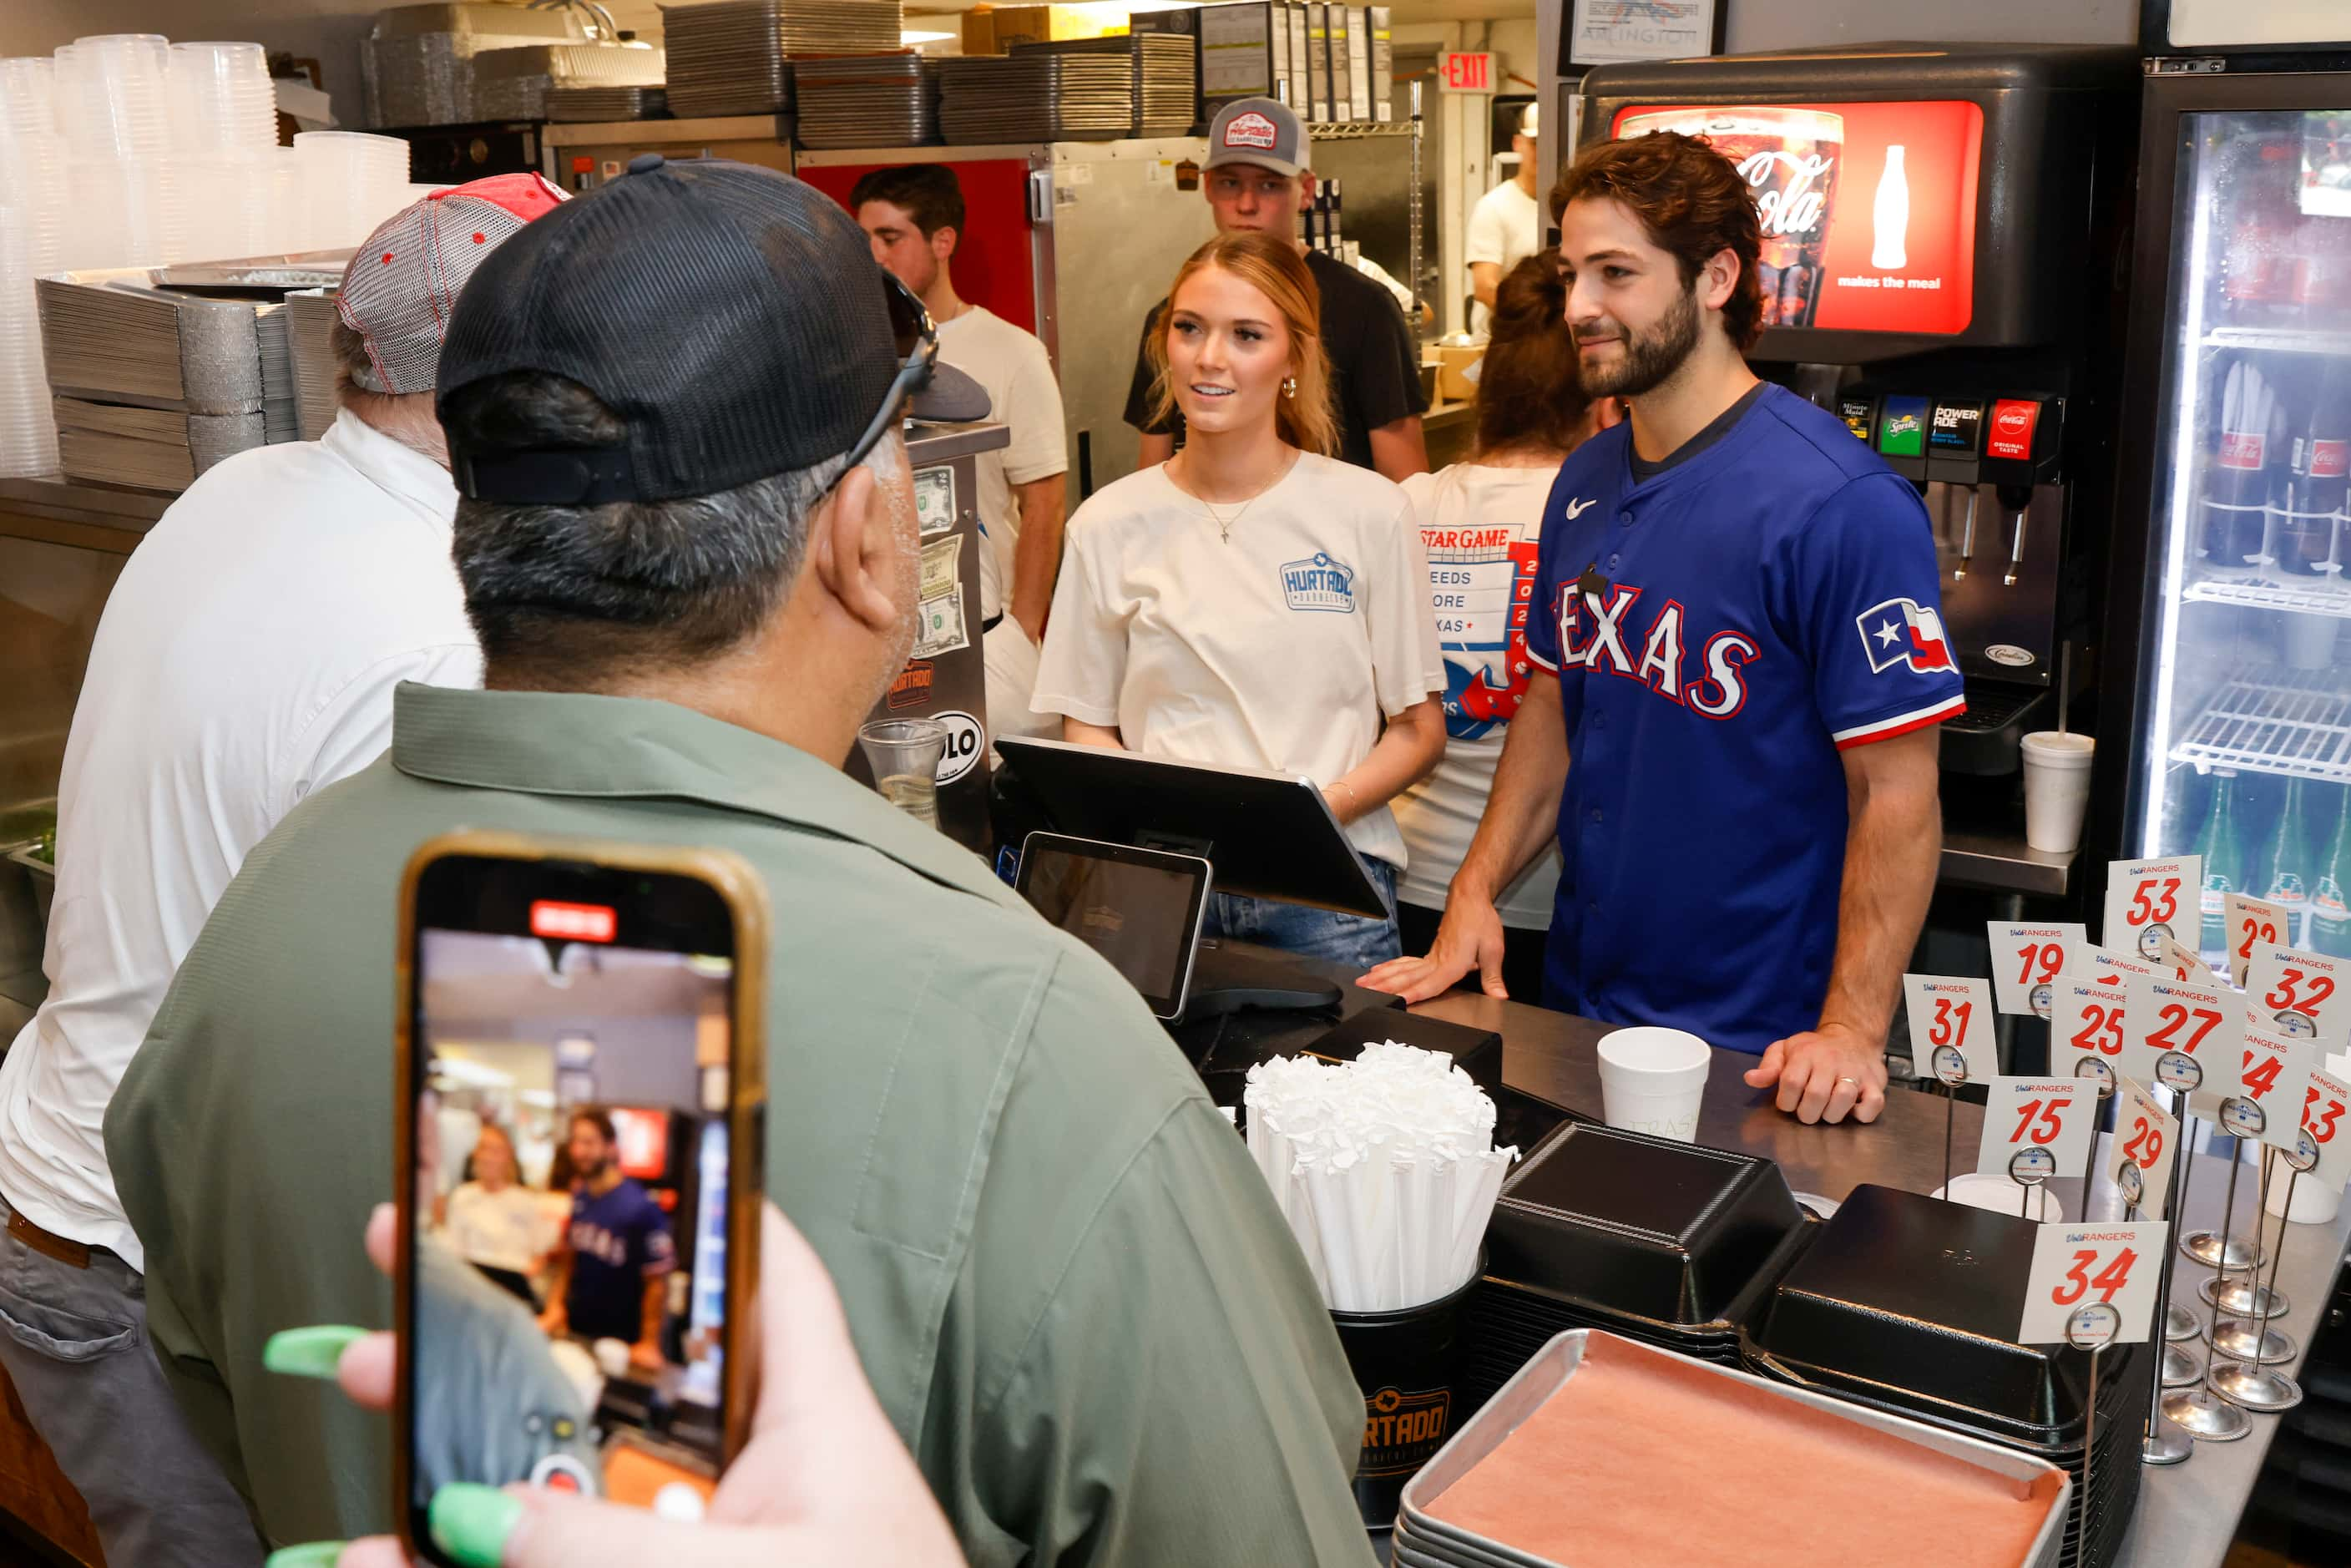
column 1386, row 1170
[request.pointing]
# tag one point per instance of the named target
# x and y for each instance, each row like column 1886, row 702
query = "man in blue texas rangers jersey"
column 1739, row 604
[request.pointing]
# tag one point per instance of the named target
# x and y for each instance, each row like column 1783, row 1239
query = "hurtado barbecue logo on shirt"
column 1321, row 583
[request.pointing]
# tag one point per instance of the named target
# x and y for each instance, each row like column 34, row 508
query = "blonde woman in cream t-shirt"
column 1252, row 602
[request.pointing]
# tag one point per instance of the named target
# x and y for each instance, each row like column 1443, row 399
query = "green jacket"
column 1067, row 1282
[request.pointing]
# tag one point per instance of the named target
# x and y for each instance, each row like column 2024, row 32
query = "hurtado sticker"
column 1321, row 583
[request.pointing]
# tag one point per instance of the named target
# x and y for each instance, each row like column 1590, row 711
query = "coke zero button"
column 646, row 162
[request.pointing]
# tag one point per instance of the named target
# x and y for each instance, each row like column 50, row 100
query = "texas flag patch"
column 1904, row 631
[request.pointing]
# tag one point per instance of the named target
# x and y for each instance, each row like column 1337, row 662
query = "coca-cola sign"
column 2241, row 448
column 1867, row 210
column 1790, row 202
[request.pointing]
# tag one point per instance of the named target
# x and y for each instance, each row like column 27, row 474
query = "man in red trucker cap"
column 246, row 659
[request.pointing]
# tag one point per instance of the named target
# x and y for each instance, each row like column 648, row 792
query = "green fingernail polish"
column 471, row 1522
column 309, row 1352
column 309, row 1554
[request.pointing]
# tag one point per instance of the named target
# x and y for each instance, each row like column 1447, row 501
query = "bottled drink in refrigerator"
column 2241, row 468
column 2315, row 477
column 2330, row 916
column 2284, row 871
column 2221, row 844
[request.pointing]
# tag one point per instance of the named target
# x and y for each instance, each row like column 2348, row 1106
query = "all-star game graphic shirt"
column 1722, row 630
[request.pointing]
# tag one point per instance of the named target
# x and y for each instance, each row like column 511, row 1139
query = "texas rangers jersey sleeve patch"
column 1903, row 632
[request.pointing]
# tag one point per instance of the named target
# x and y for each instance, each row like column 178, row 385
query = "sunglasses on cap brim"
column 930, row 390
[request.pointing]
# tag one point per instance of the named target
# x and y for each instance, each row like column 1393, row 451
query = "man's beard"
column 1649, row 358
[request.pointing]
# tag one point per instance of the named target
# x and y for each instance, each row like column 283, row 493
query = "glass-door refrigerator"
column 2227, row 674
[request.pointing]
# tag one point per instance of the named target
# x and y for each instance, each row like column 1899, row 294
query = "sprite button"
column 1902, row 427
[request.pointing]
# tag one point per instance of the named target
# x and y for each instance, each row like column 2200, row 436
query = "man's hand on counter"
column 1469, row 937
column 1825, row 1074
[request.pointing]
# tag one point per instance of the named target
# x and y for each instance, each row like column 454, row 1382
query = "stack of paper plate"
column 868, row 101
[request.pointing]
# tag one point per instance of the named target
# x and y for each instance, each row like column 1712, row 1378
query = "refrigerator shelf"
column 2327, row 600
column 2272, row 720
column 2279, row 339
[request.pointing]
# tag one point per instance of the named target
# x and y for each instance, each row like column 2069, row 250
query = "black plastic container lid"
column 1663, row 1230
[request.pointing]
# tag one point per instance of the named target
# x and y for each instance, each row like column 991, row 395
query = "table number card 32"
column 2076, row 1267
column 2304, row 995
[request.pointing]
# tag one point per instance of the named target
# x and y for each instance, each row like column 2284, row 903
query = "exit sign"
column 1466, row 73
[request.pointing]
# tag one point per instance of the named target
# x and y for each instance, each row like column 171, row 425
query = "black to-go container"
column 1408, row 1365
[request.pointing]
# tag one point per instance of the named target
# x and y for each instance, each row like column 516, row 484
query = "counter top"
column 2001, row 860
column 2187, row 1513
column 111, row 517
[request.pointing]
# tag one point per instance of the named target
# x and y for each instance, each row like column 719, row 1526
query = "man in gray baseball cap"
column 1260, row 175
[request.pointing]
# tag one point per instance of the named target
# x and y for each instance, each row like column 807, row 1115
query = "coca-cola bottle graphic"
column 1890, row 216
column 2241, row 466
column 2315, row 477
column 1788, row 158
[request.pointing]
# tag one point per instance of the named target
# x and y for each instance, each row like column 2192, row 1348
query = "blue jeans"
column 1353, row 939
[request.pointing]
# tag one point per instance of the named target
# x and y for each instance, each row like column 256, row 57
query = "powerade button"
column 2012, row 422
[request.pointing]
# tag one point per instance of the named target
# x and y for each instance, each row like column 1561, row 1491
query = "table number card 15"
column 1950, row 1014
column 2047, row 1121
column 2078, row 1268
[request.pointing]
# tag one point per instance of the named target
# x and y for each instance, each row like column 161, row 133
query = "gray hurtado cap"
column 1258, row 130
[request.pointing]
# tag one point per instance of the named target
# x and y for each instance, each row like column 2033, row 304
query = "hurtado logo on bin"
column 1401, row 1431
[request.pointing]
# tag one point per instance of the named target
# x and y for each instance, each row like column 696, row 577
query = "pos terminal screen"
column 1140, row 909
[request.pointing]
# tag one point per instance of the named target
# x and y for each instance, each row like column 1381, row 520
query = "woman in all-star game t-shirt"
column 1252, row 602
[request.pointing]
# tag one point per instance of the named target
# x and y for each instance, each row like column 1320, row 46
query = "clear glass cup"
column 904, row 754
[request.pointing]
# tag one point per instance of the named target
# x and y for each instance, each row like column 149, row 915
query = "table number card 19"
column 2149, row 900
column 2079, row 1267
column 2027, row 959
column 2046, row 1120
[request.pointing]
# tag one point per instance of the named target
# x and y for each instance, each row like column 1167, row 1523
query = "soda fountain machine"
column 1943, row 227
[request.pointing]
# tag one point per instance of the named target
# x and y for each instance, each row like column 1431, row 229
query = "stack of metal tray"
column 1422, row 1541
column 1036, row 95
column 1909, row 1305
column 1165, row 81
column 597, row 104
column 515, row 83
column 868, row 101
column 733, row 57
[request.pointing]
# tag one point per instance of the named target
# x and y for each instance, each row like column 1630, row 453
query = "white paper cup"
column 2315, row 1203
column 1980, row 1189
column 1652, row 1079
column 2057, row 788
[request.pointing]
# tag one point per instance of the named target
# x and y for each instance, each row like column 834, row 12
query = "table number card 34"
column 2078, row 1268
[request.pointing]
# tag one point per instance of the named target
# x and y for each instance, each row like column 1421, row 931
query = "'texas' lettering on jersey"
column 1703, row 672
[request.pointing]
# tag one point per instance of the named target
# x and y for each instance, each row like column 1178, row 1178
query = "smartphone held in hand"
column 582, row 1061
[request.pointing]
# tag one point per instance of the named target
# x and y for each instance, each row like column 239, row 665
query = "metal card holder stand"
column 2092, row 1328
column 1950, row 1070
column 2177, row 1369
column 2095, row 1069
column 2256, row 1387
column 2197, row 1408
column 2165, row 1442
column 2241, row 1332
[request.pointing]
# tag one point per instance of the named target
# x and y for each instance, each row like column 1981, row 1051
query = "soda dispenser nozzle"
column 2015, row 500
column 1966, row 539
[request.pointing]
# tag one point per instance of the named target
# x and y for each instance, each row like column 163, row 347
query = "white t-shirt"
column 246, row 658
column 1481, row 526
column 1505, row 228
column 508, row 1228
column 1018, row 376
column 1281, row 649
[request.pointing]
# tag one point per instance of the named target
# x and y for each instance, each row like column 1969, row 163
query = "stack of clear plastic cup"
column 351, row 183
column 223, row 130
column 28, row 432
column 32, row 156
column 113, row 101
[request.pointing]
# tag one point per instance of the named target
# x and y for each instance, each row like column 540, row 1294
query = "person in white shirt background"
column 494, row 1221
column 1253, row 601
column 246, row 658
column 1481, row 521
column 914, row 216
column 1505, row 226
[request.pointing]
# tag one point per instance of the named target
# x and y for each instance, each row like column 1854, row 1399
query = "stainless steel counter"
column 2005, row 863
column 2187, row 1513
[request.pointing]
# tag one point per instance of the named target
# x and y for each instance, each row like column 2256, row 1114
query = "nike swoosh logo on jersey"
column 1577, row 508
